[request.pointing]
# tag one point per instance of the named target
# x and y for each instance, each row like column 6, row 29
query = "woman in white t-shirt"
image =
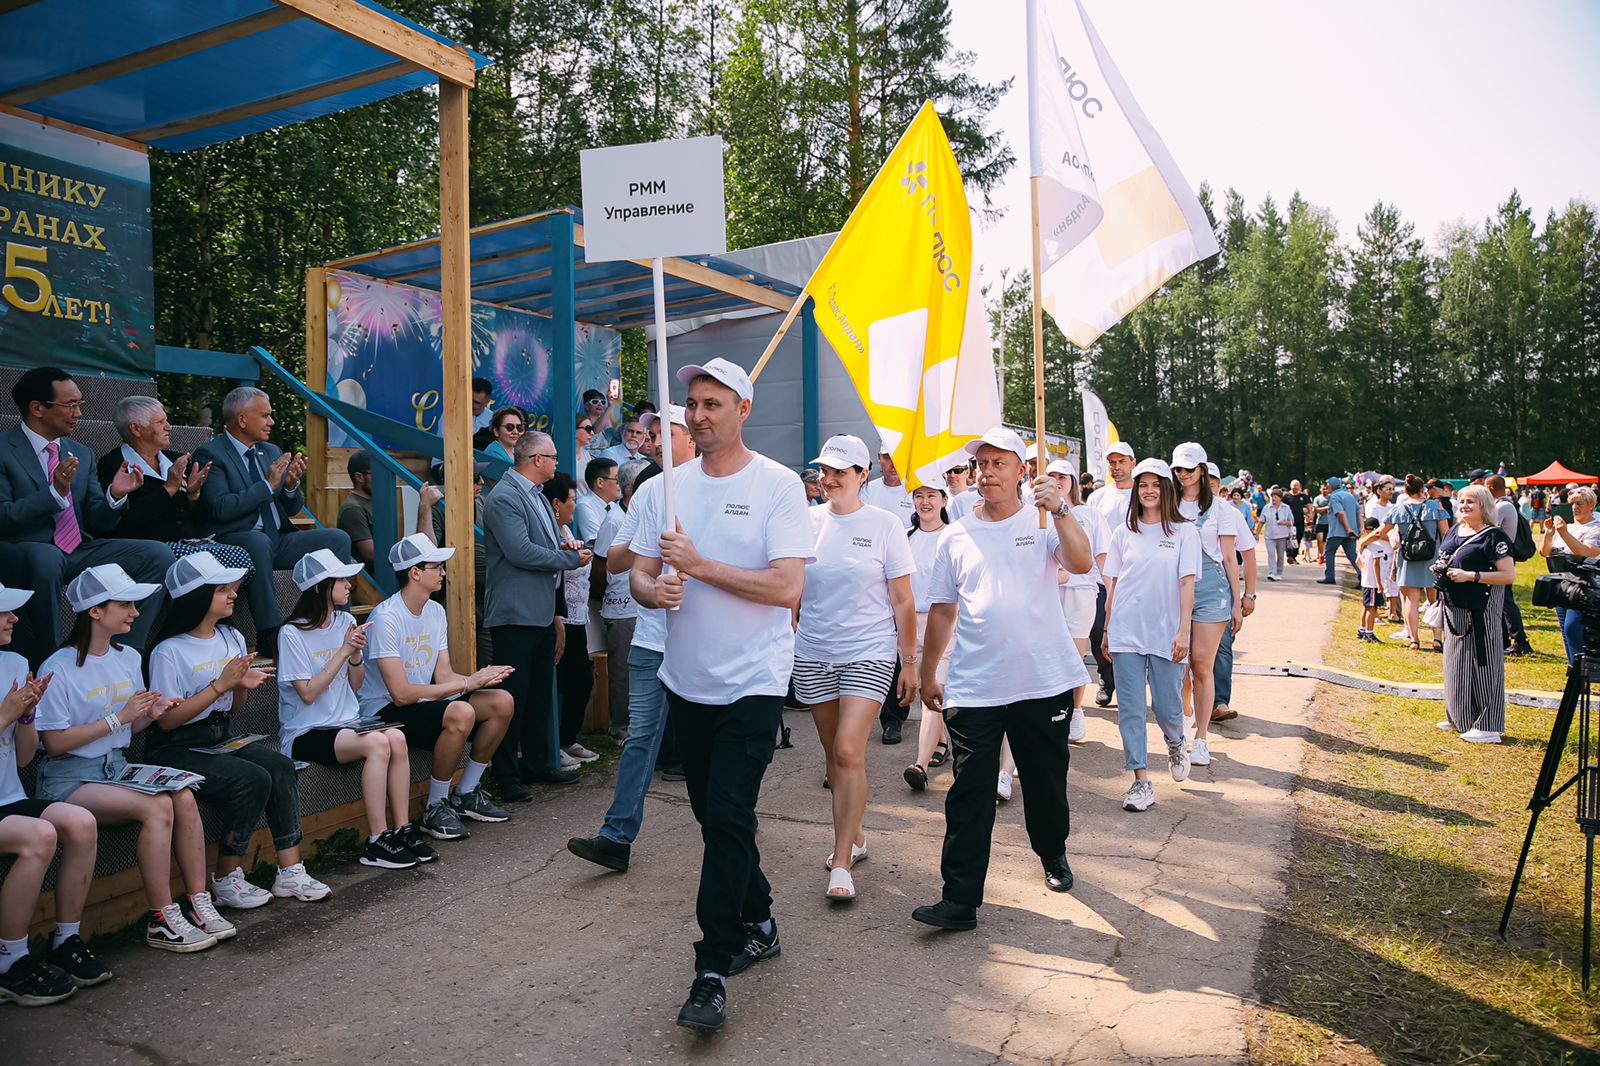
column 926, row 526
column 1080, row 593
column 574, row 669
column 95, row 703
column 1150, row 570
column 320, row 670
column 1215, row 603
column 856, row 611
column 204, row 665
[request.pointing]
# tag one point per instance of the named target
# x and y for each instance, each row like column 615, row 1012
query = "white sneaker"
column 1201, row 755
column 200, row 912
column 1077, row 729
column 1002, row 788
column 169, row 930
column 1141, row 797
column 235, row 892
column 579, row 752
column 1480, row 736
column 294, row 881
column 1178, row 761
column 1444, row 726
column 569, row 763
column 1400, row 634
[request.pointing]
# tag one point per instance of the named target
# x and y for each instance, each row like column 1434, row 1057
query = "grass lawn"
column 1385, row 949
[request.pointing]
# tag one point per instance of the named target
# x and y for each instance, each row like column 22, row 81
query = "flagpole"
column 1031, row 29
column 777, row 338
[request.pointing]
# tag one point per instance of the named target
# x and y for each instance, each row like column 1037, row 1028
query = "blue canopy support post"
column 808, row 378
column 564, row 346
column 385, row 523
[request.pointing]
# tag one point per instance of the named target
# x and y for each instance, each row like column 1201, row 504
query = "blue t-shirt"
column 1342, row 501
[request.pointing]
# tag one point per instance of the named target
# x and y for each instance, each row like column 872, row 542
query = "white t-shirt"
column 1278, row 521
column 845, row 612
column 1147, row 567
column 1215, row 527
column 1236, row 523
column 1099, row 534
column 720, row 647
column 1375, row 508
column 617, row 602
column 650, row 625
column 962, row 505
column 588, row 515
column 13, row 671
column 896, row 499
column 1011, row 640
column 395, row 633
column 575, row 589
column 302, row 656
column 79, row 695
column 183, row 665
column 924, row 549
column 1112, row 502
column 1374, row 562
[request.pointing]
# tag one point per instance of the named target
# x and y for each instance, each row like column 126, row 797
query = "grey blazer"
column 27, row 506
column 523, row 580
column 232, row 498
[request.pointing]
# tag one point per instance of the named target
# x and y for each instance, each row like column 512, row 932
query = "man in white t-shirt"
column 1012, row 675
column 409, row 681
column 728, row 577
column 890, row 492
column 1111, row 500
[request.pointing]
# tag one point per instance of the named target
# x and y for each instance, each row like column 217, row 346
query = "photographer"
column 1473, row 569
column 1580, row 537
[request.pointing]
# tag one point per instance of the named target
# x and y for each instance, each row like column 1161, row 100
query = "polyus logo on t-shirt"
column 1027, row 540
column 737, row 510
column 1165, row 544
column 861, row 542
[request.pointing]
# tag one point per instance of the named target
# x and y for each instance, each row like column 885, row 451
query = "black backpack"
column 1417, row 545
column 1522, row 548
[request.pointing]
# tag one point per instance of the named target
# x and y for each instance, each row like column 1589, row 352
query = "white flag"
column 1116, row 218
column 1098, row 435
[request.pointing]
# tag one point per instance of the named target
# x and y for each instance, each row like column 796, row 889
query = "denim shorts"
column 61, row 775
column 1212, row 600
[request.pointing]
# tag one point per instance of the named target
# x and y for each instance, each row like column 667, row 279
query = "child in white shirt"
column 1373, row 563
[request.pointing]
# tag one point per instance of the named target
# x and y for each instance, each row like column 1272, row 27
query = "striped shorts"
column 816, row 682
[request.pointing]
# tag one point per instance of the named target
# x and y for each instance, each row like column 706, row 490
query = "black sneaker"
column 1058, row 875
column 891, row 732
column 1103, row 697
column 947, row 915
column 413, row 841
column 477, row 806
column 673, row 771
column 31, row 983
column 388, row 852
column 707, row 1006
column 510, row 790
column 602, row 851
column 758, row 947
column 78, row 962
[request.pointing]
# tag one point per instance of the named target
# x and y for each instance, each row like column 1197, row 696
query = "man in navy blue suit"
column 248, row 499
column 56, row 518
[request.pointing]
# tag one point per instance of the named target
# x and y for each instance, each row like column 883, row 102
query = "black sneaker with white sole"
column 75, row 959
column 707, row 1006
column 412, row 839
column 32, row 983
column 477, row 806
column 388, row 852
column 758, row 947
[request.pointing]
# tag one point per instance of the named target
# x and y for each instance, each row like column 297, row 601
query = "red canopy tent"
column 1556, row 474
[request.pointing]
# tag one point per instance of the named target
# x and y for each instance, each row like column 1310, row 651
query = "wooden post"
column 1038, row 347
column 455, row 291
column 777, row 338
column 318, row 496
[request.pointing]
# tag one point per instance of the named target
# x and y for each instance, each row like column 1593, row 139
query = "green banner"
column 76, row 286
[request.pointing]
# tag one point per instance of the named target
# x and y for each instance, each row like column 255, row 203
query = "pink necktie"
column 68, row 535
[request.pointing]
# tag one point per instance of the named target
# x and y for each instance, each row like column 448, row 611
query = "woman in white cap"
column 856, row 611
column 30, row 831
column 95, row 703
column 927, row 524
column 203, row 663
column 1080, row 593
column 1150, row 569
column 1215, row 604
column 320, row 670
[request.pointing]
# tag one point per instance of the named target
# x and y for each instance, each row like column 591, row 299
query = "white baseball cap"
column 1002, row 438
column 1189, row 455
column 674, row 414
column 11, row 599
column 843, row 451
column 1211, row 468
column 416, row 550
column 201, row 568
column 103, row 583
column 730, row 374
column 931, row 487
column 1033, row 452
column 1120, row 447
column 1152, row 466
column 319, row 566
column 1062, row 466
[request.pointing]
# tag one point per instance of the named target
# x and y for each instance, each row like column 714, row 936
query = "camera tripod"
column 1575, row 697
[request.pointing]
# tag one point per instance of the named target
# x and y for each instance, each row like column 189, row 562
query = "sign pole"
column 663, row 393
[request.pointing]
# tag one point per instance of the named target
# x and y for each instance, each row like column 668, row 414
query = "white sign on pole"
column 664, row 198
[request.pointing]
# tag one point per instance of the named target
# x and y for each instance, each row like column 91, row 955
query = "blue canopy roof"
column 180, row 74
column 512, row 265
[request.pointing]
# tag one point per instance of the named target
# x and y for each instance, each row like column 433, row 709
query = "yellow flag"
column 897, row 298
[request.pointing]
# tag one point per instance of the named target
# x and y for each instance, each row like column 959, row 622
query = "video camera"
column 1575, row 585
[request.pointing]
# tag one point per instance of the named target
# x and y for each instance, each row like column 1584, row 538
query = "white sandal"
column 858, row 853
column 841, row 886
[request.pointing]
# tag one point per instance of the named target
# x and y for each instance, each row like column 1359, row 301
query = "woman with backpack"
column 1422, row 524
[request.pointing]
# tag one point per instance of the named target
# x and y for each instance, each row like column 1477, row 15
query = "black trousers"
column 726, row 749
column 532, row 650
column 1102, row 661
column 575, row 682
column 891, row 711
column 1038, row 733
column 1515, row 633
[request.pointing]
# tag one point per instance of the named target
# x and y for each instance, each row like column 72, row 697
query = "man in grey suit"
column 526, row 558
column 55, row 516
column 248, row 499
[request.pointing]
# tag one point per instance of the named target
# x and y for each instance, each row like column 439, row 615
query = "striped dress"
column 1474, row 690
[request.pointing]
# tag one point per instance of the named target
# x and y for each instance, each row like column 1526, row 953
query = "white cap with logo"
column 1152, row 466
column 675, row 415
column 1211, row 468
column 1189, row 455
column 201, row 568
column 1063, row 467
column 1002, row 438
column 1120, row 447
column 730, row 374
column 104, row 583
column 11, row 599
column 416, row 550
column 843, row 451
column 319, row 566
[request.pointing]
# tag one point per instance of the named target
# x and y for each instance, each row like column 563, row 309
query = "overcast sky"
column 1439, row 106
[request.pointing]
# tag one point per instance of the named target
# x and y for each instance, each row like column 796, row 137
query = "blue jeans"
column 1335, row 545
column 1571, row 623
column 647, row 714
column 1222, row 667
column 1166, row 686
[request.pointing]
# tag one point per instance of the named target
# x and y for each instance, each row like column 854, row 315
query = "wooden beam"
column 150, row 57
column 455, row 293
column 321, row 497
column 713, row 279
column 428, row 242
column 70, row 127
column 373, row 28
column 348, row 83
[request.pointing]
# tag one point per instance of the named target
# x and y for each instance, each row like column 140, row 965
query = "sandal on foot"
column 1414, row 646
column 916, row 777
column 841, row 886
column 940, row 756
column 858, row 853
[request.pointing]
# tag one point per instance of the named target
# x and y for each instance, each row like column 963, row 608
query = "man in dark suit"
column 55, row 517
column 248, row 499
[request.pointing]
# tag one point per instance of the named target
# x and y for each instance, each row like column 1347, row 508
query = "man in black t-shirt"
column 1298, row 500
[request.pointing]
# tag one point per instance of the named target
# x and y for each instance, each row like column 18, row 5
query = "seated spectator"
column 590, row 445
column 631, row 444
column 597, row 408
column 96, row 701
column 162, row 508
column 508, row 425
column 590, row 510
column 204, row 665
column 411, row 683
column 55, row 521
column 319, row 670
column 482, row 403
column 248, row 499
column 30, row 830
column 355, row 513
